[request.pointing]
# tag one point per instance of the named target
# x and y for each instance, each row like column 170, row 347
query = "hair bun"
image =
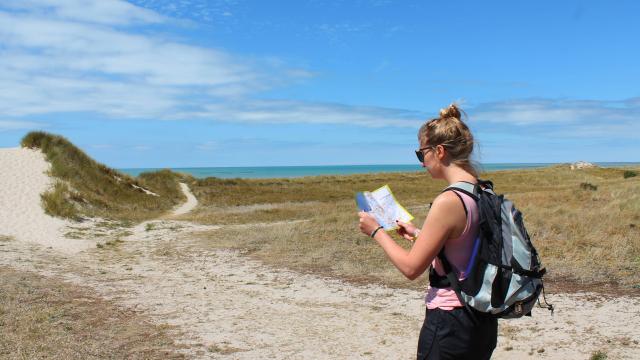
column 450, row 111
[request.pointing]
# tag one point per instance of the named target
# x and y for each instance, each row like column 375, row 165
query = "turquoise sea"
column 299, row 171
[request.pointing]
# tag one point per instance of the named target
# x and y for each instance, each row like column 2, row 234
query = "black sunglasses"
column 420, row 153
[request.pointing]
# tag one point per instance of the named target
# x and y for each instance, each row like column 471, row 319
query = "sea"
column 267, row 172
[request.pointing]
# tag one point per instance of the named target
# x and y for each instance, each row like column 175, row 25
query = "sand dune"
column 22, row 182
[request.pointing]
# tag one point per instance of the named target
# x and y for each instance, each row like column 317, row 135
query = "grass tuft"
column 6, row 238
column 57, row 202
column 598, row 355
column 588, row 186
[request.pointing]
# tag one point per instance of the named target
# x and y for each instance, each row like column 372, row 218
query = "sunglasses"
column 420, row 153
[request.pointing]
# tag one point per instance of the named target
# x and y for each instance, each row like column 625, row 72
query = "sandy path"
column 191, row 203
column 226, row 305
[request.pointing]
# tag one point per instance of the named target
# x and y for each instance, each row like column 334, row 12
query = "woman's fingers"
column 403, row 224
column 367, row 222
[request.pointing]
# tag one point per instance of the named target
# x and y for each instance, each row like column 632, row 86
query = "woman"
column 449, row 330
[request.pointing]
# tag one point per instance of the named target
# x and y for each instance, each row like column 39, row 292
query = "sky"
column 194, row 83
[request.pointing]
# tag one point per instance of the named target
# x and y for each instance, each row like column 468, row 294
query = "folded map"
column 383, row 206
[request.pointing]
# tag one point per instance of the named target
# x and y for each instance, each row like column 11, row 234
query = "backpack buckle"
column 518, row 308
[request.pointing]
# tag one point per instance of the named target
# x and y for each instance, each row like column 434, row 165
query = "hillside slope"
column 86, row 188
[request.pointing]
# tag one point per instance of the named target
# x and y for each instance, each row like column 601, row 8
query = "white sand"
column 228, row 306
column 22, row 181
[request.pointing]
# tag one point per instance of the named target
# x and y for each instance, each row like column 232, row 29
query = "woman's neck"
column 453, row 174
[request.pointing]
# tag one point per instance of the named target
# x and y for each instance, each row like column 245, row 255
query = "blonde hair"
column 453, row 134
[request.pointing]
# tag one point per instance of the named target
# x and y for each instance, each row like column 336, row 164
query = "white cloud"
column 563, row 117
column 290, row 111
column 56, row 58
column 100, row 12
column 6, row 125
column 559, row 111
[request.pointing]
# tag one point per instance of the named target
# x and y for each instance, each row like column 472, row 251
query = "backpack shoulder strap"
column 468, row 188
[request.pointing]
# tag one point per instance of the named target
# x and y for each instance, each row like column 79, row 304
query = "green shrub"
column 629, row 173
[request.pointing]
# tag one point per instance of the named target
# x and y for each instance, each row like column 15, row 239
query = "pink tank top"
column 458, row 251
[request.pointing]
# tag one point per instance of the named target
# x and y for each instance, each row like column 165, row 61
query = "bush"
column 588, row 186
column 629, row 173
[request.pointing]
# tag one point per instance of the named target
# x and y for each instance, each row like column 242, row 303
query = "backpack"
column 504, row 273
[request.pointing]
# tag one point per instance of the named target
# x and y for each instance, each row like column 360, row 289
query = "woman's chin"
column 433, row 174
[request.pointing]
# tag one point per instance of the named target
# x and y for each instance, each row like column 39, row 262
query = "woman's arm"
column 444, row 218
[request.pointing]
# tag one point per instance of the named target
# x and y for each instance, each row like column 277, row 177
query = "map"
column 383, row 206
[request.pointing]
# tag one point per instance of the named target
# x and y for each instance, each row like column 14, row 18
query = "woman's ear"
column 440, row 152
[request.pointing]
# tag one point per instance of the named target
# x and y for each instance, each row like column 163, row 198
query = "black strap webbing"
column 455, row 285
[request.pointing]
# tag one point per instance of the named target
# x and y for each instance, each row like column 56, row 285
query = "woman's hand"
column 367, row 223
column 406, row 230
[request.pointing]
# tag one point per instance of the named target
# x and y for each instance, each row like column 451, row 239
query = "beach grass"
column 584, row 234
column 87, row 188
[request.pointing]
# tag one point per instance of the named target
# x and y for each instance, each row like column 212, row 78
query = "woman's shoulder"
column 447, row 201
column 446, row 197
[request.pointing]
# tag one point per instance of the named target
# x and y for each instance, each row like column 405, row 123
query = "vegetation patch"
column 584, row 236
column 88, row 188
column 43, row 318
column 629, row 173
column 57, row 201
column 588, row 186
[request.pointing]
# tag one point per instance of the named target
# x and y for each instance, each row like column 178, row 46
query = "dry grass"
column 584, row 235
column 87, row 188
column 48, row 319
column 328, row 242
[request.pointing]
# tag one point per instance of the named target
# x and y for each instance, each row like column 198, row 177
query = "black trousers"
column 453, row 334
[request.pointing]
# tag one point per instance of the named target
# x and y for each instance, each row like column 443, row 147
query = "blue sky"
column 154, row 83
